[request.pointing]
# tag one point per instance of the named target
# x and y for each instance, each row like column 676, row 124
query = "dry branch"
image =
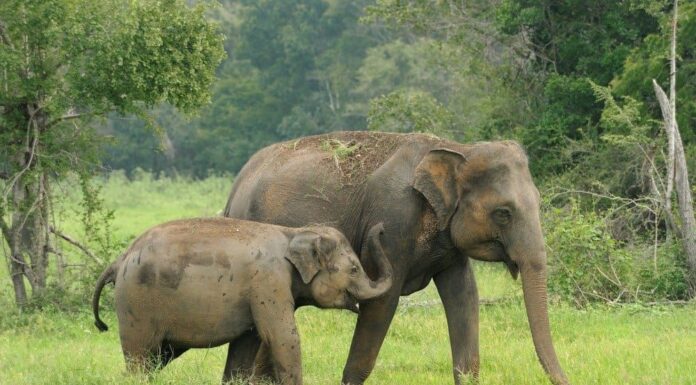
column 77, row 244
column 670, row 127
column 69, row 116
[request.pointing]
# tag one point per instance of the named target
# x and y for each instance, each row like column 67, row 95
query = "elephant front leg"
column 457, row 289
column 278, row 331
column 373, row 323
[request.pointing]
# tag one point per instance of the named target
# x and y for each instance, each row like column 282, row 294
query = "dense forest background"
column 474, row 70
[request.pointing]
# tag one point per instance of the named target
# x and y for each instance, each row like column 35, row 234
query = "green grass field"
column 624, row 345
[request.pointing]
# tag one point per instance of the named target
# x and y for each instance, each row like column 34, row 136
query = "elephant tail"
column 108, row 276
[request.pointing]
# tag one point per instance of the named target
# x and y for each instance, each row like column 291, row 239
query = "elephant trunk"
column 535, row 300
column 364, row 288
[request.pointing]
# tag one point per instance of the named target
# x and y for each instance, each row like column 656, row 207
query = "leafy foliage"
column 65, row 62
column 63, row 55
column 572, row 41
column 649, row 60
column 588, row 264
column 409, row 112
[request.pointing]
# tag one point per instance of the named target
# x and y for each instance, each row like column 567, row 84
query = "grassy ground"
column 626, row 345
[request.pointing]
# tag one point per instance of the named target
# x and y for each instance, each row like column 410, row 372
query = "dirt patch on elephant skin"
column 222, row 260
column 171, row 277
column 205, row 228
column 202, row 258
column 354, row 154
column 147, row 275
column 273, row 199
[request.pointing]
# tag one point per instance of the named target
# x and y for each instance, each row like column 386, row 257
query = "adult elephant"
column 441, row 202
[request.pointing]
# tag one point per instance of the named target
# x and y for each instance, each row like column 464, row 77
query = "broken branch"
column 77, row 244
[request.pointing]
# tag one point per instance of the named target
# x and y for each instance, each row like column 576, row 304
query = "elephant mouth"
column 493, row 251
column 499, row 249
column 351, row 303
column 513, row 268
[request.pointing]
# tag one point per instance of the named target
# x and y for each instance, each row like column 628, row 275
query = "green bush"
column 588, row 265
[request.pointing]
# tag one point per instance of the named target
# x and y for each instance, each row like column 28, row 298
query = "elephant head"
column 490, row 206
column 327, row 263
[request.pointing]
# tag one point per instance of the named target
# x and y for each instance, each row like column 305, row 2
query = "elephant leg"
column 278, row 330
column 457, row 289
column 141, row 347
column 168, row 353
column 373, row 323
column 240, row 356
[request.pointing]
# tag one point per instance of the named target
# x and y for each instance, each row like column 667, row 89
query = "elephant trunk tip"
column 535, row 299
column 559, row 379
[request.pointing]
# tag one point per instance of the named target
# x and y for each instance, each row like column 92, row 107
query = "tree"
column 65, row 62
column 569, row 43
column 450, row 57
column 676, row 161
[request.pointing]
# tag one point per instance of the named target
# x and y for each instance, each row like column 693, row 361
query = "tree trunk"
column 27, row 235
column 34, row 235
column 17, row 263
column 686, row 210
column 677, row 163
column 684, row 199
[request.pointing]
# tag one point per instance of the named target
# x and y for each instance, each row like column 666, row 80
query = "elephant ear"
column 308, row 252
column 436, row 177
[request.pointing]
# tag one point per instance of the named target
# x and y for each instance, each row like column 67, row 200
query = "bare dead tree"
column 677, row 173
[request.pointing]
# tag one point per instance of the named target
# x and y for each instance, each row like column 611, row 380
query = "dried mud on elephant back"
column 355, row 154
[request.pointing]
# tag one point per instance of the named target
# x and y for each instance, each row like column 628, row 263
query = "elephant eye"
column 502, row 215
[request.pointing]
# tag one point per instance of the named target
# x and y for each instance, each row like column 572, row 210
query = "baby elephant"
column 201, row 283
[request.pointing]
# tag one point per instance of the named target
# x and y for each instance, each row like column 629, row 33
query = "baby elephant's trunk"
column 365, row 288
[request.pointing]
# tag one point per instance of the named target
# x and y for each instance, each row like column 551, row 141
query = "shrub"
column 587, row 264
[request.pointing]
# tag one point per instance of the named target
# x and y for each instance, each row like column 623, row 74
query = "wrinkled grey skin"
column 443, row 202
column 201, row 283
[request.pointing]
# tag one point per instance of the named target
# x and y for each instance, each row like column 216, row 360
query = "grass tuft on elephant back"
column 588, row 264
column 354, row 154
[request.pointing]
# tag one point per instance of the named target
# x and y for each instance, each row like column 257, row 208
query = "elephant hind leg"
column 147, row 360
column 140, row 360
column 249, row 359
column 167, row 353
column 240, row 357
column 141, row 349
